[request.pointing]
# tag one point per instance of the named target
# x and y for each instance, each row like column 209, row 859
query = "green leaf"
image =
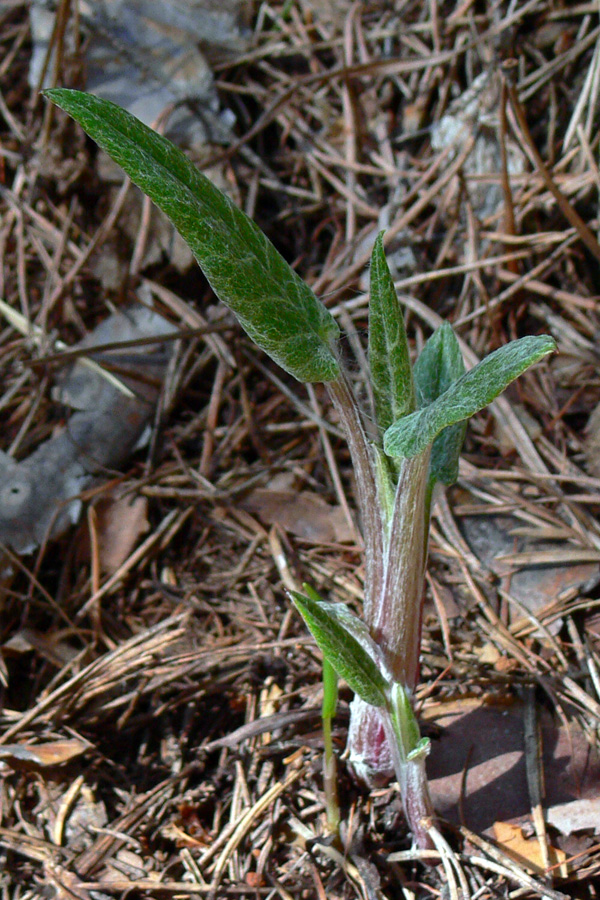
column 471, row 393
column 439, row 365
column 386, row 484
column 346, row 644
column 421, row 750
column 389, row 359
column 274, row 306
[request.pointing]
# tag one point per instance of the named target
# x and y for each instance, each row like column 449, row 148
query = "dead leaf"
column 302, row 513
column 488, row 655
column 51, row 646
column 578, row 815
column 52, row 753
column 65, row 885
column 527, row 851
column 147, row 56
column 121, row 521
column 39, row 495
column 532, row 571
column 591, row 447
column 474, row 117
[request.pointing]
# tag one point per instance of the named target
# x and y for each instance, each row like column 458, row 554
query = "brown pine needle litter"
column 160, row 722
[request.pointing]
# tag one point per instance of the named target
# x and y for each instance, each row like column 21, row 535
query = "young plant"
column 420, row 415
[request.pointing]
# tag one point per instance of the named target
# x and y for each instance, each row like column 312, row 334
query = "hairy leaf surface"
column 274, row 306
column 345, row 642
column 389, row 359
column 472, row 392
column 439, row 365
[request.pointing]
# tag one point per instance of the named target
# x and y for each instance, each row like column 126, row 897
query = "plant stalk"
column 394, row 616
column 384, row 742
column 409, row 766
column 332, row 806
column 366, row 486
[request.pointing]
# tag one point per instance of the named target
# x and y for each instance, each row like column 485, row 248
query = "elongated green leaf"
column 389, row 359
column 439, row 365
column 274, row 306
column 345, row 642
column 472, row 392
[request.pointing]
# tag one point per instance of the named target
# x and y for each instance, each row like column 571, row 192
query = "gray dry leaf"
column 539, row 577
column 50, row 753
column 474, row 115
column 39, row 496
column 146, row 57
column 578, row 815
column 592, row 443
column 477, row 764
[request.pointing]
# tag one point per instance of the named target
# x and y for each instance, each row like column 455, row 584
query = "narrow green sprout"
column 421, row 414
column 330, row 696
column 328, row 710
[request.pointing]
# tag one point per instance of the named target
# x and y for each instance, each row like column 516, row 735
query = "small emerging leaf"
column 345, row 642
column 385, row 480
column 439, row 365
column 274, row 306
column 422, row 750
column 404, row 721
column 471, row 393
column 389, row 359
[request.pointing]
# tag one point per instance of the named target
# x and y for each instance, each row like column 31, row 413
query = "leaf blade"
column 438, row 366
column 274, row 306
column 346, row 644
column 471, row 393
column 388, row 352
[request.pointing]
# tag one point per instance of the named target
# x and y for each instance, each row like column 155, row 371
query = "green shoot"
column 330, row 694
column 421, row 415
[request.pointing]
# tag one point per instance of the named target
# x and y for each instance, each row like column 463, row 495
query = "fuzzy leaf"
column 472, row 392
column 274, row 306
column 389, row 359
column 439, row 365
column 346, row 644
